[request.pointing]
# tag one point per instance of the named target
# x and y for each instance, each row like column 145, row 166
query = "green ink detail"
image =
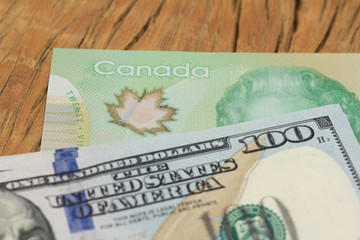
column 252, row 222
column 276, row 90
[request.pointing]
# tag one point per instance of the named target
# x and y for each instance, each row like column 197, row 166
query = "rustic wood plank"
column 31, row 28
column 191, row 26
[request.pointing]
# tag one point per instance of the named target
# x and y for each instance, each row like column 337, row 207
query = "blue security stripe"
column 65, row 160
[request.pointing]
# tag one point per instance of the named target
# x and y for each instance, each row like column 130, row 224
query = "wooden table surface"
column 30, row 29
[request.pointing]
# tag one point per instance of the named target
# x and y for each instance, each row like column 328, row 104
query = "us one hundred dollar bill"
column 102, row 96
column 289, row 177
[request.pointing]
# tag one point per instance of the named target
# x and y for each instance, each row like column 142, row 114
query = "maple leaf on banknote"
column 141, row 114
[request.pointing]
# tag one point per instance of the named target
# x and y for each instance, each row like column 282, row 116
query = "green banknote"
column 101, row 96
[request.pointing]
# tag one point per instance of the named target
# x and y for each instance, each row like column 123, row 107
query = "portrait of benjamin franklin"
column 276, row 90
column 20, row 219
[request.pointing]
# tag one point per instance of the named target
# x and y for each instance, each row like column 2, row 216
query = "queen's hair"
column 283, row 82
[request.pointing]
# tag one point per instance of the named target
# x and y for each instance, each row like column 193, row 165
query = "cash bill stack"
column 171, row 145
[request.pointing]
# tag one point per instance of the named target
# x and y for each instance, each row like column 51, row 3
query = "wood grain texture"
column 31, row 28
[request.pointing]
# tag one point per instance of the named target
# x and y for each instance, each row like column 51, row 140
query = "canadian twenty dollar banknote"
column 101, row 96
column 290, row 177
